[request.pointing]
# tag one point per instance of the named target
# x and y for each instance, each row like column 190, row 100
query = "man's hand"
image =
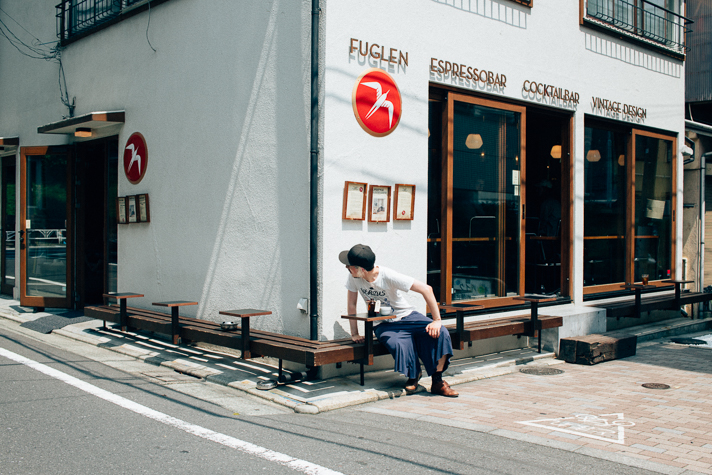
column 433, row 328
column 358, row 338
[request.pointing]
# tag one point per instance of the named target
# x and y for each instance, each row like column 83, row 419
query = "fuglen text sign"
column 378, row 52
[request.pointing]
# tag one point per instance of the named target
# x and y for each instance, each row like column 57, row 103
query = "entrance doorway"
column 96, row 228
column 68, row 224
column 45, row 219
column 546, row 190
column 7, row 217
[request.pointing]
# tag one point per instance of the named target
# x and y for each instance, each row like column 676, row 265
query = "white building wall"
column 223, row 103
column 544, row 43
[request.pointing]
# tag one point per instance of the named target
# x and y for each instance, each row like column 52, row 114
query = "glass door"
column 45, row 227
column 482, row 200
column 654, row 206
column 605, row 207
column 7, row 212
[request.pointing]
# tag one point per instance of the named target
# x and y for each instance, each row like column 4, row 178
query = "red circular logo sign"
column 135, row 158
column 377, row 102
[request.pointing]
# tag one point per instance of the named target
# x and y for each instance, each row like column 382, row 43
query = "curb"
column 327, row 403
column 277, row 396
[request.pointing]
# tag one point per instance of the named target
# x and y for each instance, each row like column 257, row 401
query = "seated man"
column 408, row 336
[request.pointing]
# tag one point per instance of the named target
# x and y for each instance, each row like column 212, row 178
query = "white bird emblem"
column 380, row 101
column 135, row 158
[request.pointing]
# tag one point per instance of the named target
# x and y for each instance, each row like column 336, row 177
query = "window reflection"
column 604, row 206
column 485, row 208
column 653, row 207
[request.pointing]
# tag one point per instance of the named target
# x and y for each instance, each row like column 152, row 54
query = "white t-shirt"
column 389, row 287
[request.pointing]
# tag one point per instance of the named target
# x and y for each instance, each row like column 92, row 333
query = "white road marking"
column 226, row 440
column 588, row 425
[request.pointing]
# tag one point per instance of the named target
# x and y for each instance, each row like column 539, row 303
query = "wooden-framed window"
column 629, row 206
column 489, row 236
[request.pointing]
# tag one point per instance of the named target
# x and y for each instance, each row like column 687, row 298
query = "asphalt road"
column 100, row 412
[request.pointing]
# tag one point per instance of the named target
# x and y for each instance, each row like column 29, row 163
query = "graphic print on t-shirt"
column 375, row 294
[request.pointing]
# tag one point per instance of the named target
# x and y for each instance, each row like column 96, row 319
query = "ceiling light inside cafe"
column 593, row 156
column 556, row 152
column 473, row 141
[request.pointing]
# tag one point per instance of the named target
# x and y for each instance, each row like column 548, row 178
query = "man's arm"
column 351, row 301
column 426, row 291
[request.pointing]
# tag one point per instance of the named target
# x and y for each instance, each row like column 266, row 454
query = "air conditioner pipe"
column 314, row 182
column 701, row 265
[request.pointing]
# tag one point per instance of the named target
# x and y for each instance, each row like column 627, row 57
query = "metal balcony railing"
column 642, row 19
column 75, row 17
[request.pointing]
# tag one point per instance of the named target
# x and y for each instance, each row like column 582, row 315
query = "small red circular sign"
column 377, row 102
column 135, row 158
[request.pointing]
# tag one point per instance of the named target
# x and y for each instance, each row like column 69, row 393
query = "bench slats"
column 300, row 350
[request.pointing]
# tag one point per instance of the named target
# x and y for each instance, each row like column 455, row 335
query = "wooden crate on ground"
column 593, row 349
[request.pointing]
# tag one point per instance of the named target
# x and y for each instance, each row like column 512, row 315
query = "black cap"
column 360, row 255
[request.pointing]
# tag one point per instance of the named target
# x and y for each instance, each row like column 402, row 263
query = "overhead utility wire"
column 38, row 50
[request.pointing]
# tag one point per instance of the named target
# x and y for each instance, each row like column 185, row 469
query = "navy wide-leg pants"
column 407, row 341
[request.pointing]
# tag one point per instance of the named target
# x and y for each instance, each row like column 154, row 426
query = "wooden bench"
column 309, row 353
column 653, row 300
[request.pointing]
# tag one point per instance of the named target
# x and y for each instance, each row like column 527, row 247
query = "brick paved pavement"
column 602, row 407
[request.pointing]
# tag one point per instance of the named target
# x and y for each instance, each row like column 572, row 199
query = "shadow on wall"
column 340, row 333
column 259, row 256
column 620, row 51
column 500, row 10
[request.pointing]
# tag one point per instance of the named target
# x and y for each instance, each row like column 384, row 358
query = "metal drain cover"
column 688, row 341
column 541, row 371
column 656, row 386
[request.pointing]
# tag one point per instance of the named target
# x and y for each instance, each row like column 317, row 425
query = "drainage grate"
column 688, row 341
column 656, row 386
column 541, row 371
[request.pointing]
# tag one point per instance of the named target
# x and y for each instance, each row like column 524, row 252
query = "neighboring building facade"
column 698, row 125
column 527, row 146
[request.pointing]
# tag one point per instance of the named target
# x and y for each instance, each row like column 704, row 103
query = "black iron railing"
column 643, row 19
column 75, row 17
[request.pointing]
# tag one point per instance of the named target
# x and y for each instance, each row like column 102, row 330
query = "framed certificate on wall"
column 354, row 201
column 404, row 202
column 144, row 211
column 121, row 210
column 379, row 204
column 131, row 209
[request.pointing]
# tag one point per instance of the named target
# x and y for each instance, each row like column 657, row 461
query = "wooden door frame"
column 34, row 301
column 567, row 206
column 447, row 193
column 673, row 202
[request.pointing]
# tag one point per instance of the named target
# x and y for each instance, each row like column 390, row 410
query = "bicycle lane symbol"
column 605, row 427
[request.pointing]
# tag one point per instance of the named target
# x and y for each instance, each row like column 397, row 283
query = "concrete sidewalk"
column 608, row 411
column 310, row 397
